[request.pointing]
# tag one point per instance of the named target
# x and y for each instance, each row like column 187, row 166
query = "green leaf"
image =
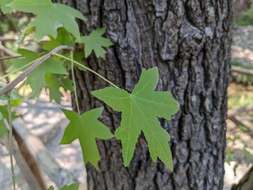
column 3, row 130
column 67, row 84
column 3, row 115
column 49, row 16
column 96, row 42
column 37, row 80
column 3, row 5
column 67, row 187
column 70, row 187
column 87, row 129
column 51, row 188
column 54, row 83
column 140, row 112
column 15, row 99
column 63, row 38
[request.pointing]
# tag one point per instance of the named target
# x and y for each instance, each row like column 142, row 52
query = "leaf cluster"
column 141, row 110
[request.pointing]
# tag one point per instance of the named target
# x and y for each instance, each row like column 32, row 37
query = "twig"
column 7, row 51
column 3, row 69
column 9, row 57
column 6, row 39
column 24, row 159
column 10, row 147
column 10, row 144
column 240, row 70
column 10, row 86
column 240, row 111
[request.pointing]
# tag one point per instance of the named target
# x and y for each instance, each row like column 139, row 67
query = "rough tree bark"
column 189, row 41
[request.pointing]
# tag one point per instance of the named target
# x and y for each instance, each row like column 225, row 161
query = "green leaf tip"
column 140, row 112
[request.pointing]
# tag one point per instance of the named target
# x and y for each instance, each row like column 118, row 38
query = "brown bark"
column 189, row 41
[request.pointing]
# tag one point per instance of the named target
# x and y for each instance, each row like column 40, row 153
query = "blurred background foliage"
column 240, row 94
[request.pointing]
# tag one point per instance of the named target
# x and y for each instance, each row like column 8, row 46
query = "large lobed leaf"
column 140, row 112
column 49, row 16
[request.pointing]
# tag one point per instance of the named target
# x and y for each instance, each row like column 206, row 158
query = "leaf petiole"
column 86, row 68
column 74, row 82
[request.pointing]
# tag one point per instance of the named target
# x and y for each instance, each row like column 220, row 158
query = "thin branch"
column 240, row 70
column 24, row 159
column 10, row 86
column 16, row 70
column 240, row 110
column 7, row 39
column 10, row 145
column 239, row 122
column 7, row 51
column 9, row 57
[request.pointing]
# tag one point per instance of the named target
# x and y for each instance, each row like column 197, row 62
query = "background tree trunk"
column 190, row 43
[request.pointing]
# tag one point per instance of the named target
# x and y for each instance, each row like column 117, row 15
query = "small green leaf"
column 140, row 112
column 4, row 116
column 70, row 187
column 49, row 16
column 96, row 42
column 87, row 129
column 37, row 80
column 15, row 99
column 63, row 38
column 3, row 130
column 51, row 188
column 3, row 5
column 67, row 84
column 54, row 83
column 67, row 187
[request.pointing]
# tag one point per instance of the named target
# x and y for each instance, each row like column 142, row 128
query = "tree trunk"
column 190, row 43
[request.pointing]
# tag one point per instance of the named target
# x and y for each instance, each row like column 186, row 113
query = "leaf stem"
column 74, row 82
column 87, row 68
